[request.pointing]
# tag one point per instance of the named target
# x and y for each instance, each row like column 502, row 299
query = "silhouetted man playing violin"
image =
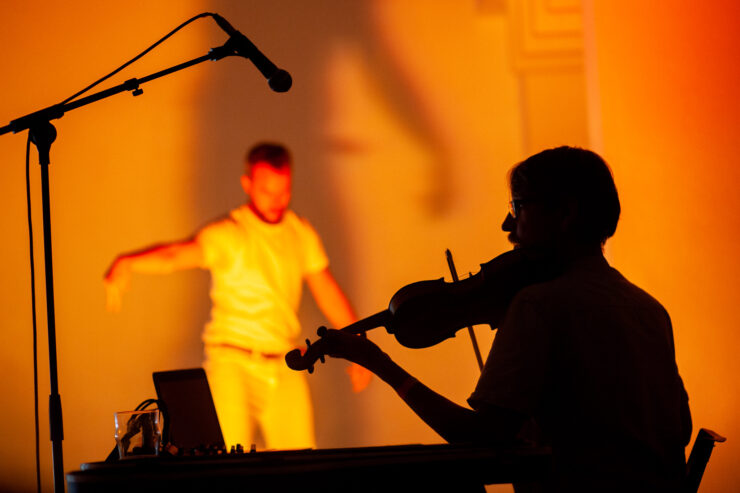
column 583, row 362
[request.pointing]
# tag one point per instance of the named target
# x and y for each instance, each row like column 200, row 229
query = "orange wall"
column 668, row 79
column 403, row 120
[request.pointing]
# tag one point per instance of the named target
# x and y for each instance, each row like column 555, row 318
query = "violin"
column 425, row 313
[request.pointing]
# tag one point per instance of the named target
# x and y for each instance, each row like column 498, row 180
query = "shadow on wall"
column 239, row 111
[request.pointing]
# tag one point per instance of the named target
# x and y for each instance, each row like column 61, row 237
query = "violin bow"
column 453, row 271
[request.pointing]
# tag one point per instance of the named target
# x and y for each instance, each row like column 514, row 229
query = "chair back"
column 699, row 457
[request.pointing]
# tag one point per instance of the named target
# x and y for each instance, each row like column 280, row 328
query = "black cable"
column 204, row 14
column 165, row 416
column 144, row 404
column 33, row 312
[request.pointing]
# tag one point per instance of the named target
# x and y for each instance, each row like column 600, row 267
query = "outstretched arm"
column 454, row 423
column 331, row 299
column 337, row 309
column 159, row 259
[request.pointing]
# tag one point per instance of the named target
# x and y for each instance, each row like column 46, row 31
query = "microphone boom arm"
column 58, row 110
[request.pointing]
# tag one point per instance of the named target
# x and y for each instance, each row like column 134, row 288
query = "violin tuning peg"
column 322, row 331
column 310, row 369
column 322, row 358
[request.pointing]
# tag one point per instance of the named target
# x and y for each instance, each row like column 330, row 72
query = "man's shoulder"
column 292, row 217
column 604, row 285
column 297, row 222
column 220, row 222
column 223, row 224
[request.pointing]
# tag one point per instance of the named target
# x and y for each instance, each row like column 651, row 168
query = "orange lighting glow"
column 403, row 120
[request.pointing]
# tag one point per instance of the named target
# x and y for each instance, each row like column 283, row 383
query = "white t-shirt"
column 257, row 272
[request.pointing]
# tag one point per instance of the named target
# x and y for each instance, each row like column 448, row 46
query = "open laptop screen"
column 192, row 416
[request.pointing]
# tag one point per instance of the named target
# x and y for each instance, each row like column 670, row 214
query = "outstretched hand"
column 359, row 376
column 116, row 282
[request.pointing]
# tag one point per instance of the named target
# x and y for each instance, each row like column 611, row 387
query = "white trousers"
column 250, row 390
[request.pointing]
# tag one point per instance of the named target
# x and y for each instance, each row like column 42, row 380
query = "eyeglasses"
column 515, row 205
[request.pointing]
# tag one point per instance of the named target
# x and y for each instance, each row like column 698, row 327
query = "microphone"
column 278, row 79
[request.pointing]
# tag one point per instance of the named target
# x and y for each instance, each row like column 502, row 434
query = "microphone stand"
column 43, row 134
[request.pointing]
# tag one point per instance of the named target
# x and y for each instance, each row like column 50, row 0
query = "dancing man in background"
column 258, row 258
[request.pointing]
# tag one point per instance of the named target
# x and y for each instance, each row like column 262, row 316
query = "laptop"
column 191, row 415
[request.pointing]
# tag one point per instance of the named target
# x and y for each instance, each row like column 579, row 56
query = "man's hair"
column 570, row 173
column 275, row 155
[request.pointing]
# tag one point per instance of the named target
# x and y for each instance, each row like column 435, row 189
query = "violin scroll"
column 299, row 360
